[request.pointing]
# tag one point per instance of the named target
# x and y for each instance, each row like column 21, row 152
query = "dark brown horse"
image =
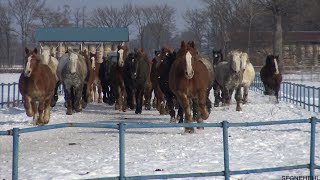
column 271, row 76
column 117, row 82
column 37, row 84
column 155, row 76
column 189, row 78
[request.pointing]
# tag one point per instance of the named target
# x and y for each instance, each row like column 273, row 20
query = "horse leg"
column 208, row 102
column 162, row 104
column 68, row 99
column 202, row 98
column 35, row 112
column 217, row 98
column 118, row 98
column 184, row 102
column 171, row 108
column 180, row 114
column 78, row 95
column 47, row 111
column 124, row 98
column 41, row 108
column 55, row 96
column 139, row 98
column 238, row 98
column 277, row 89
column 245, row 94
column 84, row 101
column 195, row 109
column 27, row 105
column 99, row 92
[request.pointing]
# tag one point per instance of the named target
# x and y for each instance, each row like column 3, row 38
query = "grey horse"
column 229, row 75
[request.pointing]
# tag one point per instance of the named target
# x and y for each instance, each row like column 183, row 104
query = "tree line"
column 213, row 26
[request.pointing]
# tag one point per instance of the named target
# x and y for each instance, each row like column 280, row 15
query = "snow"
column 80, row 153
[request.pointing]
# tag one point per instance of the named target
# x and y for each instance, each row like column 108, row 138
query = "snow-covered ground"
column 79, row 153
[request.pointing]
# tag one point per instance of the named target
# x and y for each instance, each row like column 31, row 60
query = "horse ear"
column 26, row 50
column 35, row 50
column 183, row 44
column 192, row 44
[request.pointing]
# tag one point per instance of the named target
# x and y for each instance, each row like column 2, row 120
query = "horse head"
column 132, row 65
column 32, row 60
column 189, row 54
column 217, row 56
column 73, row 58
column 122, row 55
column 272, row 63
column 93, row 60
column 244, row 60
column 235, row 61
column 45, row 54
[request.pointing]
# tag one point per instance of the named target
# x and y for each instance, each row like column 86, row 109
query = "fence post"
column 313, row 99
column 312, row 146
column 304, row 97
column 308, row 98
column 290, row 99
column 14, row 94
column 15, row 153
column 121, row 151
column 319, row 99
column 226, row 150
column 283, row 91
column 8, row 94
column 2, row 94
column 300, row 94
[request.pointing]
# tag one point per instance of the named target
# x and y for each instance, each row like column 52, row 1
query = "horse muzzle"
column 27, row 73
column 134, row 76
column 189, row 75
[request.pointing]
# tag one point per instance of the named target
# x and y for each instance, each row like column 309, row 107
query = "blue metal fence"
column 10, row 95
column 307, row 97
column 299, row 94
column 15, row 132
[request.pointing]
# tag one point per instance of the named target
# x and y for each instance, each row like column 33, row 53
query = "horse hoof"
column 189, row 130
column 69, row 112
column 138, row 112
column 200, row 128
column 238, row 109
column 172, row 120
column 99, row 101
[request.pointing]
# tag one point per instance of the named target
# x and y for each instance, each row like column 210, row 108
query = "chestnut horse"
column 37, row 84
column 94, row 79
column 271, row 76
column 117, row 82
column 189, row 78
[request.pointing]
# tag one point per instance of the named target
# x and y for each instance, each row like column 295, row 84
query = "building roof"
column 89, row 34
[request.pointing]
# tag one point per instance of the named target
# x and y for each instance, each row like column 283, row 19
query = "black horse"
column 167, row 58
column 271, row 76
column 105, row 77
column 136, row 72
column 217, row 58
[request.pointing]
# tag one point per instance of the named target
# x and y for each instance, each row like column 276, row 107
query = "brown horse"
column 117, row 82
column 94, row 80
column 154, row 76
column 189, row 78
column 37, row 84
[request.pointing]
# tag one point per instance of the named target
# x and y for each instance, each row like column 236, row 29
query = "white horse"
column 248, row 76
column 48, row 59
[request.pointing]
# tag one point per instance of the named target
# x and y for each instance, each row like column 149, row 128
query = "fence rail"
column 225, row 125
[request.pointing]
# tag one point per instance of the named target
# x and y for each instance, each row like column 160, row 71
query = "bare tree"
column 278, row 9
column 77, row 17
column 162, row 19
column 140, row 20
column 196, row 20
column 112, row 17
column 5, row 29
column 52, row 18
column 24, row 11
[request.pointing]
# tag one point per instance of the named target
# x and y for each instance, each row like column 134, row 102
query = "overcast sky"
column 180, row 5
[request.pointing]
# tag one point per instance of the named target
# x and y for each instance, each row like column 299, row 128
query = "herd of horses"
column 180, row 79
